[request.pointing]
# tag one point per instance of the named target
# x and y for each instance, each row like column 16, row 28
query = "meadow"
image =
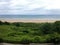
column 20, row 32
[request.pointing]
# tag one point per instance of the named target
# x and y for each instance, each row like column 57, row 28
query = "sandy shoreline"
column 29, row 20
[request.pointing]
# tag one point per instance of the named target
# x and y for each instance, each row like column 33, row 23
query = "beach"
column 28, row 20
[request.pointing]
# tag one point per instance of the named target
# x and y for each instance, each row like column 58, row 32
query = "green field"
column 19, row 32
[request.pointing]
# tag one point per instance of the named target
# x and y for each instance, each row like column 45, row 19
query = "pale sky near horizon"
column 29, row 7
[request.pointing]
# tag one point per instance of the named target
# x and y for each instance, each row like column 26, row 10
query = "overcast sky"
column 29, row 7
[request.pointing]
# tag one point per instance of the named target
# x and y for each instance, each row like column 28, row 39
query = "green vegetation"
column 19, row 32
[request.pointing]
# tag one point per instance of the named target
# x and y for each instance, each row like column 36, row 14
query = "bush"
column 56, row 26
column 25, row 40
column 6, row 23
column 1, row 22
column 46, row 28
column 1, row 40
column 36, row 39
column 17, row 24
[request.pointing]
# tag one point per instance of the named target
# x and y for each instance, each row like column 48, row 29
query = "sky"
column 30, row 7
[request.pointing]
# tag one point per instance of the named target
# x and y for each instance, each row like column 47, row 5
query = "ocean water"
column 55, row 17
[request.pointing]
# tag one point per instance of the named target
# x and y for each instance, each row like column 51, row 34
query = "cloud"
column 29, row 7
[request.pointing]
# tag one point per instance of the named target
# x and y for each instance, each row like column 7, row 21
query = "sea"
column 50, row 17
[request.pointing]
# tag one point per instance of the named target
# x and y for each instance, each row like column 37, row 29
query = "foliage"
column 19, row 32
